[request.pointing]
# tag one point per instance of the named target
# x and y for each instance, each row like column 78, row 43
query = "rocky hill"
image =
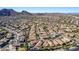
column 11, row 12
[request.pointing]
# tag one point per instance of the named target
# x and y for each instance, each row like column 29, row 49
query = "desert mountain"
column 11, row 12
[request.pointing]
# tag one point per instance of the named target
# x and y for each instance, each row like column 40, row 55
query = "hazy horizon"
column 45, row 9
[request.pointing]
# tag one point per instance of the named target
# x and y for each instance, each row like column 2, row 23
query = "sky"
column 45, row 9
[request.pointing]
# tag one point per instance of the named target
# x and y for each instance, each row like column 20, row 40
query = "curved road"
column 74, row 49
